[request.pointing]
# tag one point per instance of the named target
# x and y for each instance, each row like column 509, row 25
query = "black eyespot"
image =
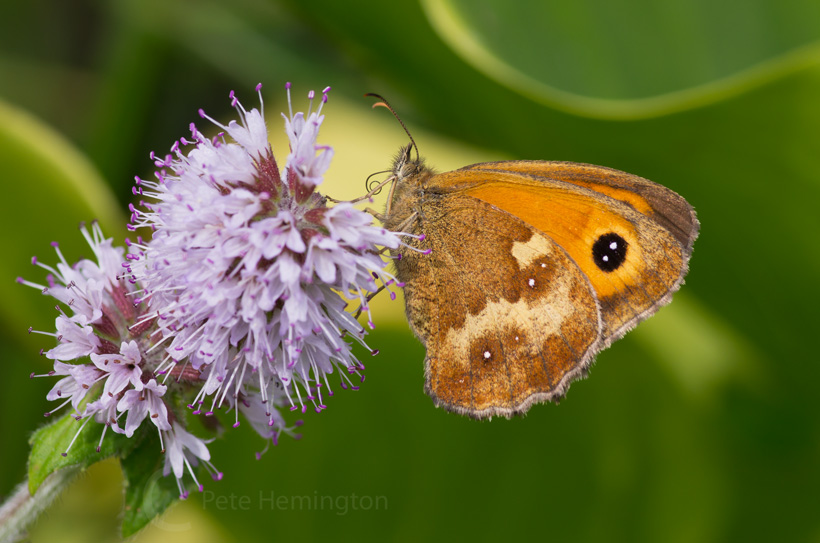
column 609, row 251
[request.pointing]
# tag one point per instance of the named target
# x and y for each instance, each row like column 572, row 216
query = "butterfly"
column 517, row 273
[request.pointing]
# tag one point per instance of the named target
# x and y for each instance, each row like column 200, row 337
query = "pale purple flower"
column 247, row 267
column 101, row 322
column 238, row 302
column 141, row 403
column 76, row 340
column 122, row 369
column 105, row 412
column 72, row 388
column 307, row 162
column 185, row 450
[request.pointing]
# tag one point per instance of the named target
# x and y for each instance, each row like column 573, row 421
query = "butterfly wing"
column 505, row 315
column 512, row 303
column 582, row 202
column 664, row 206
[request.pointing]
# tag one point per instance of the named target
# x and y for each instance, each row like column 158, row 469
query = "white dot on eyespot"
column 543, row 265
column 487, row 354
column 516, row 338
column 613, row 245
column 605, row 258
column 531, row 282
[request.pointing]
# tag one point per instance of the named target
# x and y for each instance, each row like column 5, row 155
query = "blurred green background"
column 701, row 425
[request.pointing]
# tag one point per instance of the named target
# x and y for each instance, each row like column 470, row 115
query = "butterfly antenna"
column 373, row 187
column 384, row 103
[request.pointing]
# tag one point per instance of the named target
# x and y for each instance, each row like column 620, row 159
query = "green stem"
column 21, row 509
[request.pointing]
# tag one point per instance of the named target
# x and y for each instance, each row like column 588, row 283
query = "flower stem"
column 21, row 509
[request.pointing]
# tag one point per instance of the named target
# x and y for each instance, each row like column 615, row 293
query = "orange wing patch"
column 664, row 206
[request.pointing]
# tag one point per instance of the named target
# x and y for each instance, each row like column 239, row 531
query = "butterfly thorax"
column 406, row 213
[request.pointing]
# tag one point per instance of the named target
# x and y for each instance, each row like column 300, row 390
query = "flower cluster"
column 239, row 299
column 121, row 377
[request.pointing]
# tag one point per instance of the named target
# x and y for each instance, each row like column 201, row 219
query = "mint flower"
column 242, row 300
column 143, row 401
column 123, row 368
column 184, row 450
column 249, row 271
column 100, row 322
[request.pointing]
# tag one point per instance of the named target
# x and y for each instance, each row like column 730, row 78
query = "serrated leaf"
column 147, row 492
column 50, row 442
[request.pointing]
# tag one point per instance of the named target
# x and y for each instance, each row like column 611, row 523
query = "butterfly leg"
column 379, row 217
column 367, row 301
column 407, row 222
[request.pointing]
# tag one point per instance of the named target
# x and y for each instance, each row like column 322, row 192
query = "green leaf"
column 639, row 59
column 50, row 442
column 147, row 492
column 246, row 34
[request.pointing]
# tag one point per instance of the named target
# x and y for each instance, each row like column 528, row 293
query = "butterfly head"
column 408, row 179
column 405, row 166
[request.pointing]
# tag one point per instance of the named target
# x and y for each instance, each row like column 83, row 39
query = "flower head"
column 246, row 265
column 238, row 301
column 106, row 350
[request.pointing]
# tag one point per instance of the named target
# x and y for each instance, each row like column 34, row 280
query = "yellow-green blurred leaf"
column 49, row 188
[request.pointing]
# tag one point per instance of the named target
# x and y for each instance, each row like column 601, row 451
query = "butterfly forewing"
column 670, row 210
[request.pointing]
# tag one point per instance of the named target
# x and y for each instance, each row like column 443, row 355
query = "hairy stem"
column 21, row 509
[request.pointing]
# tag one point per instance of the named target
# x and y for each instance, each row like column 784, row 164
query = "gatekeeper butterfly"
column 518, row 273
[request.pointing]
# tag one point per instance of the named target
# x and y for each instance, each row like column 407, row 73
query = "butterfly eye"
column 609, row 251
